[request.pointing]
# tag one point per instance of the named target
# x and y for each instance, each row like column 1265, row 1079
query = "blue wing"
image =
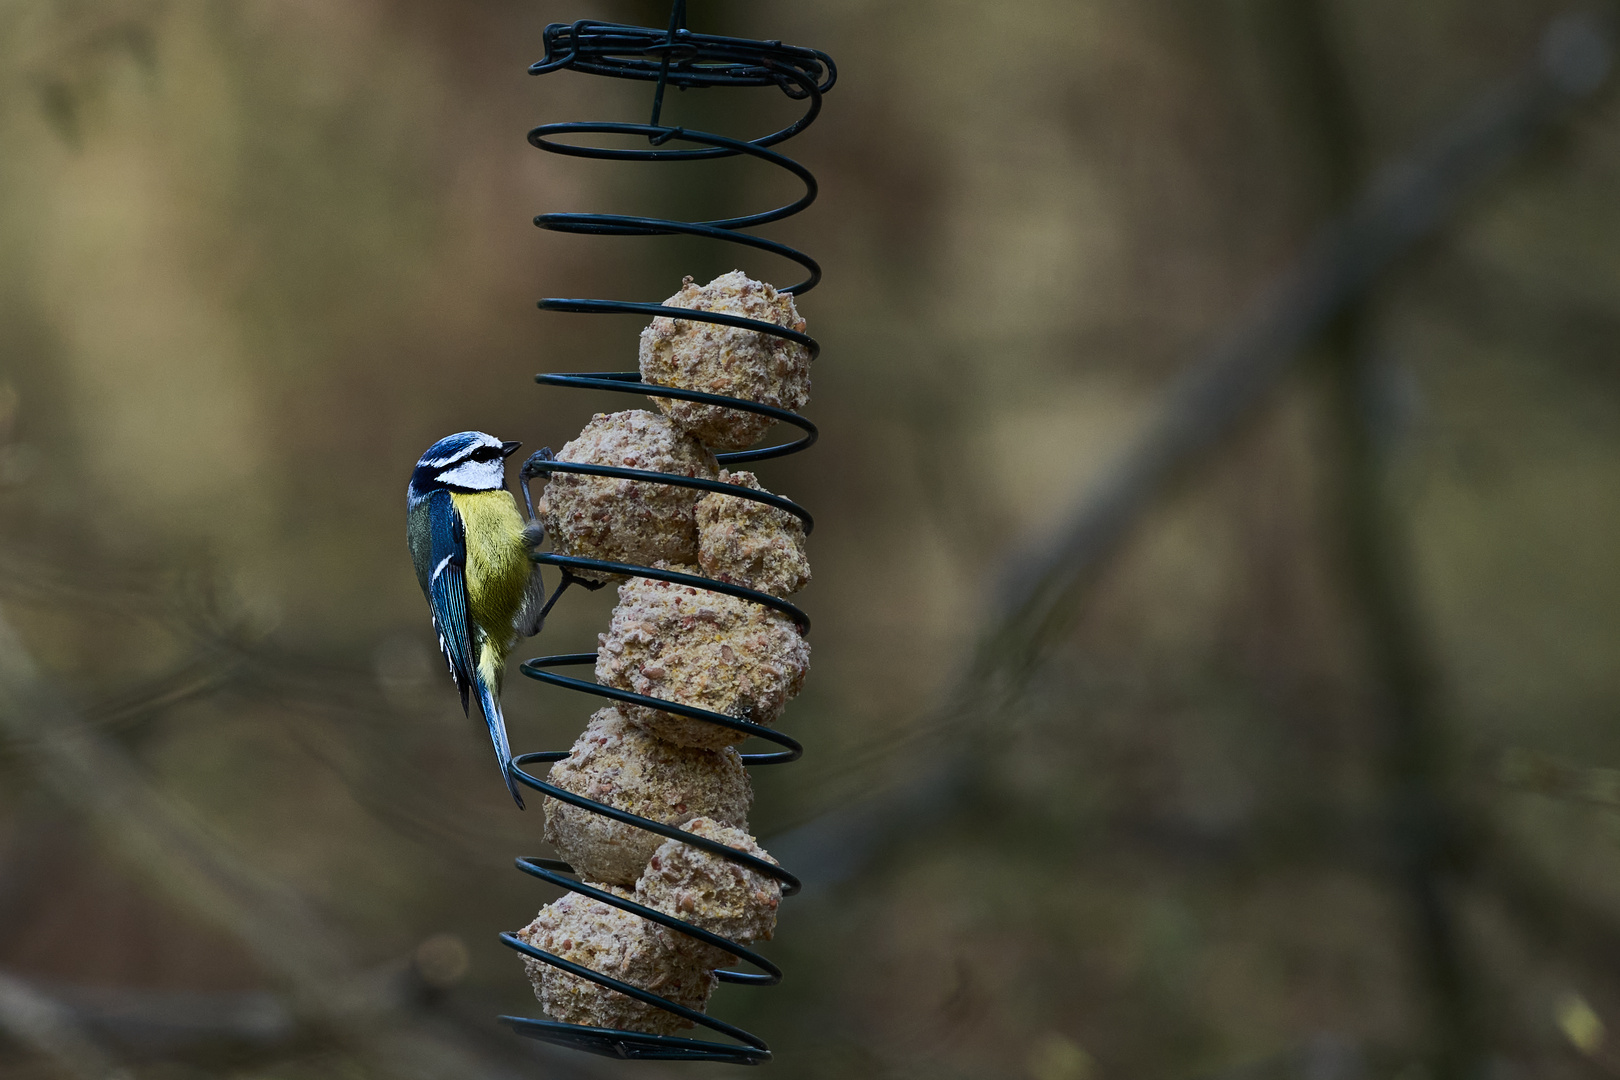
column 447, row 593
column 447, row 589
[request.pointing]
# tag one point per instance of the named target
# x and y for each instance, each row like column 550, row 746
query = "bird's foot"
column 534, row 466
column 585, row 583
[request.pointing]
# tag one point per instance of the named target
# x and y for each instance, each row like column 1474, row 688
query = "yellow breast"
column 497, row 562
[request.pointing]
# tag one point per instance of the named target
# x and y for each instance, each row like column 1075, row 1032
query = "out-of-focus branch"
column 50, row 1028
column 149, row 1019
column 1525, row 770
column 1420, row 832
column 1404, row 204
column 160, row 840
column 327, row 991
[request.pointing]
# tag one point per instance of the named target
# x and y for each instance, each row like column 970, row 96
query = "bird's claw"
column 585, row 583
column 534, row 465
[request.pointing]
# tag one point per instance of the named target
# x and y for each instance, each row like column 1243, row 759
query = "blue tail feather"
column 489, row 700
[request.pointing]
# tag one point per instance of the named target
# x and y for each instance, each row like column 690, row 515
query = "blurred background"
column 1310, row 771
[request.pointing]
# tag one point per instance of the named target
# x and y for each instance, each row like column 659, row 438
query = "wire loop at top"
column 693, row 60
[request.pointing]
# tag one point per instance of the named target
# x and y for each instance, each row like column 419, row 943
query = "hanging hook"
column 677, row 24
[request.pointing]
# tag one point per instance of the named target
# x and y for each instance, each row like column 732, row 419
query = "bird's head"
column 466, row 461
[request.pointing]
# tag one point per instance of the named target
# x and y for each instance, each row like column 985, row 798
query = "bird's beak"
column 509, row 448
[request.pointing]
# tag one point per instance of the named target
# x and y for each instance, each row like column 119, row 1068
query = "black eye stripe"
column 482, row 453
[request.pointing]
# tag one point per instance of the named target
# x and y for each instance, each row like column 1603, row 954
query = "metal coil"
column 670, row 57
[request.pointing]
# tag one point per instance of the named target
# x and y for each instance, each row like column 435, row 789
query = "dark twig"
column 1419, row 830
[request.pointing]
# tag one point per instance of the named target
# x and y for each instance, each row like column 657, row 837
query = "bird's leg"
column 567, row 580
column 561, row 588
column 534, row 466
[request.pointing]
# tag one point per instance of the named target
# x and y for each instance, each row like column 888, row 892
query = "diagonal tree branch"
column 327, row 990
column 50, row 1028
column 161, row 841
column 1407, row 202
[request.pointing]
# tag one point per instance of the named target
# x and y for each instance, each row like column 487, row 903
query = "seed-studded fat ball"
column 635, row 521
column 703, row 649
column 749, row 543
column 711, row 892
column 622, row 946
column 616, row 763
column 727, row 360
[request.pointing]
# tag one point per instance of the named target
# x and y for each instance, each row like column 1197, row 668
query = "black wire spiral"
column 671, row 57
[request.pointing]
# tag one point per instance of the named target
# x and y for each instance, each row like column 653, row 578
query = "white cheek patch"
column 476, row 475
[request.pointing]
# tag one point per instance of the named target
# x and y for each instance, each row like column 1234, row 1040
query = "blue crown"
column 450, row 447
column 424, row 478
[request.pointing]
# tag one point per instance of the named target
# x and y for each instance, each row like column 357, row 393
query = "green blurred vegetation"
column 255, row 257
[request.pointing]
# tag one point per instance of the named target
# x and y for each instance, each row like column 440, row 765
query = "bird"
column 471, row 551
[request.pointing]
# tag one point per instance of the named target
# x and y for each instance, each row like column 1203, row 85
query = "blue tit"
column 471, row 550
